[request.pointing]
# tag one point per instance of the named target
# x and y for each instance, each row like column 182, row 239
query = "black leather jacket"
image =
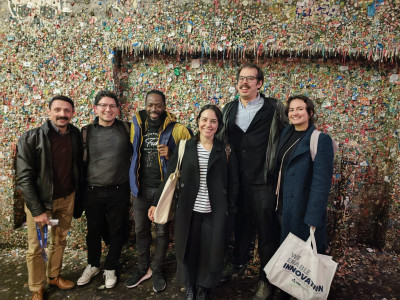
column 34, row 167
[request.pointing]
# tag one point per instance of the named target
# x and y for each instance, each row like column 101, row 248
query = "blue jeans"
column 141, row 205
column 106, row 206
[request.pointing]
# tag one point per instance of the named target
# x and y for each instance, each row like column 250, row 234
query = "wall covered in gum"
column 344, row 56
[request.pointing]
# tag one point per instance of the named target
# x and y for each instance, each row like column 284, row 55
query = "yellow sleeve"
column 180, row 132
column 132, row 132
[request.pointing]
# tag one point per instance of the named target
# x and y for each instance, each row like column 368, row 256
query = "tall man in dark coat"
column 252, row 125
column 49, row 161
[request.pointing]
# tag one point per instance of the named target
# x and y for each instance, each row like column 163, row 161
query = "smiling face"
column 298, row 114
column 155, row 106
column 248, row 89
column 208, row 124
column 61, row 113
column 107, row 110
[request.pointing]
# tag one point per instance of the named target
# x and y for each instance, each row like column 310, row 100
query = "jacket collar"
column 216, row 152
column 48, row 124
column 259, row 113
column 303, row 145
column 232, row 117
column 142, row 115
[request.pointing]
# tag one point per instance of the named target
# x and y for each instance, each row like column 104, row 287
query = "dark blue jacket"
column 306, row 187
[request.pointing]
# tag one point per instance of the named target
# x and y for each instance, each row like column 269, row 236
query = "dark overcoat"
column 222, row 184
column 306, row 187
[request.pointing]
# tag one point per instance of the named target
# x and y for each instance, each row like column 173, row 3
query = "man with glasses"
column 108, row 152
column 49, row 161
column 252, row 125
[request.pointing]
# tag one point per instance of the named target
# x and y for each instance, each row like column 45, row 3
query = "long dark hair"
column 218, row 114
column 309, row 107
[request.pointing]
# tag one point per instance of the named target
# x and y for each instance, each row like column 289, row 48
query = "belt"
column 108, row 187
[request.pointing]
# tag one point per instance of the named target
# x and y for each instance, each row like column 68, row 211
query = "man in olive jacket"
column 252, row 125
column 48, row 167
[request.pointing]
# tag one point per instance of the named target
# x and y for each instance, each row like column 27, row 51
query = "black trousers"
column 196, row 267
column 106, row 206
column 256, row 208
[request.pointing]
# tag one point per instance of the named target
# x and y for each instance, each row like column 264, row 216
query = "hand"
column 163, row 150
column 42, row 219
column 150, row 214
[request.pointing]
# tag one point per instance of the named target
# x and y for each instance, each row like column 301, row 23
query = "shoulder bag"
column 164, row 211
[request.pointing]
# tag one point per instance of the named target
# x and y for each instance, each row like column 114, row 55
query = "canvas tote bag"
column 164, row 211
column 299, row 270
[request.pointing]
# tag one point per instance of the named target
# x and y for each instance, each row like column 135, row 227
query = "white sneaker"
column 87, row 275
column 110, row 278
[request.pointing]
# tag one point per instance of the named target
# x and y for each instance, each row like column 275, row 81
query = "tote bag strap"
column 311, row 241
column 181, row 151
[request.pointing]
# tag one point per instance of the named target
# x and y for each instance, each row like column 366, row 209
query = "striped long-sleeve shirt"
column 202, row 203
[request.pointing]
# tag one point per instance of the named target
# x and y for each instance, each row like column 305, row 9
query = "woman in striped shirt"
column 208, row 188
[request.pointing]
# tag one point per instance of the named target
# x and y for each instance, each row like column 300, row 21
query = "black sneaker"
column 159, row 282
column 137, row 277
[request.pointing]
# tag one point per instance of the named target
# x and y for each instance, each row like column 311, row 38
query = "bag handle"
column 311, row 241
column 181, row 151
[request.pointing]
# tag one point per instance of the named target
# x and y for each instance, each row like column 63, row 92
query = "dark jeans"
column 106, row 206
column 141, row 205
column 257, row 208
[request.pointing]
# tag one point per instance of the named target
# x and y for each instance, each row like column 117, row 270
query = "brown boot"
column 61, row 283
column 38, row 295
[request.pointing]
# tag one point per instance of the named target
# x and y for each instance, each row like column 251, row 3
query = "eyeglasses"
column 248, row 78
column 104, row 106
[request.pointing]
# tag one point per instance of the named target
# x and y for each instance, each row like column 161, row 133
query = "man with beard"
column 154, row 136
column 252, row 125
column 49, row 161
column 108, row 148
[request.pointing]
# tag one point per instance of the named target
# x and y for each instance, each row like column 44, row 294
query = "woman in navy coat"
column 303, row 184
column 208, row 188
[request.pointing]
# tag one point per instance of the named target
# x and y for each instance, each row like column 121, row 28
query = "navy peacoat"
column 306, row 187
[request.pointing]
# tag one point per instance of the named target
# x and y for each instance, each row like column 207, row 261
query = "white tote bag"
column 164, row 211
column 299, row 270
